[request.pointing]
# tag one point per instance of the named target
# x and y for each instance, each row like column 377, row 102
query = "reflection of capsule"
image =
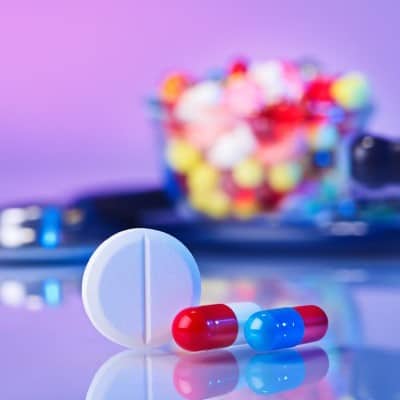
column 206, row 376
column 286, row 370
column 285, row 327
column 212, row 326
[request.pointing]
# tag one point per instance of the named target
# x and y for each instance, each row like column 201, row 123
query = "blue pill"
column 323, row 159
column 347, row 209
column 274, row 329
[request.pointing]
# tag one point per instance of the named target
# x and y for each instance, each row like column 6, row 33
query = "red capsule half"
column 205, row 327
column 315, row 323
column 212, row 326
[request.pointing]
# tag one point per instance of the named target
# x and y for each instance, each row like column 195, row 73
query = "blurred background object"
column 74, row 76
column 251, row 137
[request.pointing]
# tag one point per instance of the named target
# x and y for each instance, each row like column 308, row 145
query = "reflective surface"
column 50, row 350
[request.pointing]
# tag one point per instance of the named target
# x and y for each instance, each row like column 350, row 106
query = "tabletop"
column 50, row 350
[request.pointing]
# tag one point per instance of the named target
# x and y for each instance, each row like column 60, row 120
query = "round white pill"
column 232, row 147
column 196, row 100
column 135, row 283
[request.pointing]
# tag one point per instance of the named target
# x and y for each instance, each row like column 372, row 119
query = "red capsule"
column 238, row 67
column 268, row 198
column 319, row 90
column 212, row 326
column 286, row 112
column 315, row 323
column 205, row 327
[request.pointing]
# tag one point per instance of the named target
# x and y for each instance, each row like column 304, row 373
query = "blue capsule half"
column 274, row 329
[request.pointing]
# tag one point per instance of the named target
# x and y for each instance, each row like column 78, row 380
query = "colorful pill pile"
column 242, row 140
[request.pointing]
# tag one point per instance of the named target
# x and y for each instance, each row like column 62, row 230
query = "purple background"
column 73, row 75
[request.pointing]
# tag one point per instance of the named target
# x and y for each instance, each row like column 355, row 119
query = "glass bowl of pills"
column 255, row 137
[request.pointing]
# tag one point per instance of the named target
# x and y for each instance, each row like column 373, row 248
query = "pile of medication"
column 241, row 141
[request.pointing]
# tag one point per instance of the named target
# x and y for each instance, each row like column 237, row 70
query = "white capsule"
column 232, row 147
column 269, row 76
column 242, row 311
column 195, row 101
column 275, row 84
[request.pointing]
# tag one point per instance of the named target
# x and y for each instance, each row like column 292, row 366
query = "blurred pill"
column 232, row 147
column 239, row 66
column 268, row 199
column 203, row 178
column 217, row 204
column 198, row 99
column 243, row 97
column 324, row 137
column 269, row 76
column 351, row 91
column 181, row 155
column 249, row 173
column 245, row 204
column 284, row 177
column 319, row 89
column 173, row 86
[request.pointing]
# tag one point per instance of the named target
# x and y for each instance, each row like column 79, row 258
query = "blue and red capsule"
column 223, row 325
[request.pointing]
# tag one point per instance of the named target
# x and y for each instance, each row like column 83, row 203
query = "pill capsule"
column 212, row 326
column 285, row 327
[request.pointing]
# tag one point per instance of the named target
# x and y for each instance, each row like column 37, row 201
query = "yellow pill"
column 218, row 205
column 173, row 87
column 248, row 173
column 182, row 156
column 245, row 209
column 198, row 200
column 351, row 91
column 284, row 177
column 203, row 177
